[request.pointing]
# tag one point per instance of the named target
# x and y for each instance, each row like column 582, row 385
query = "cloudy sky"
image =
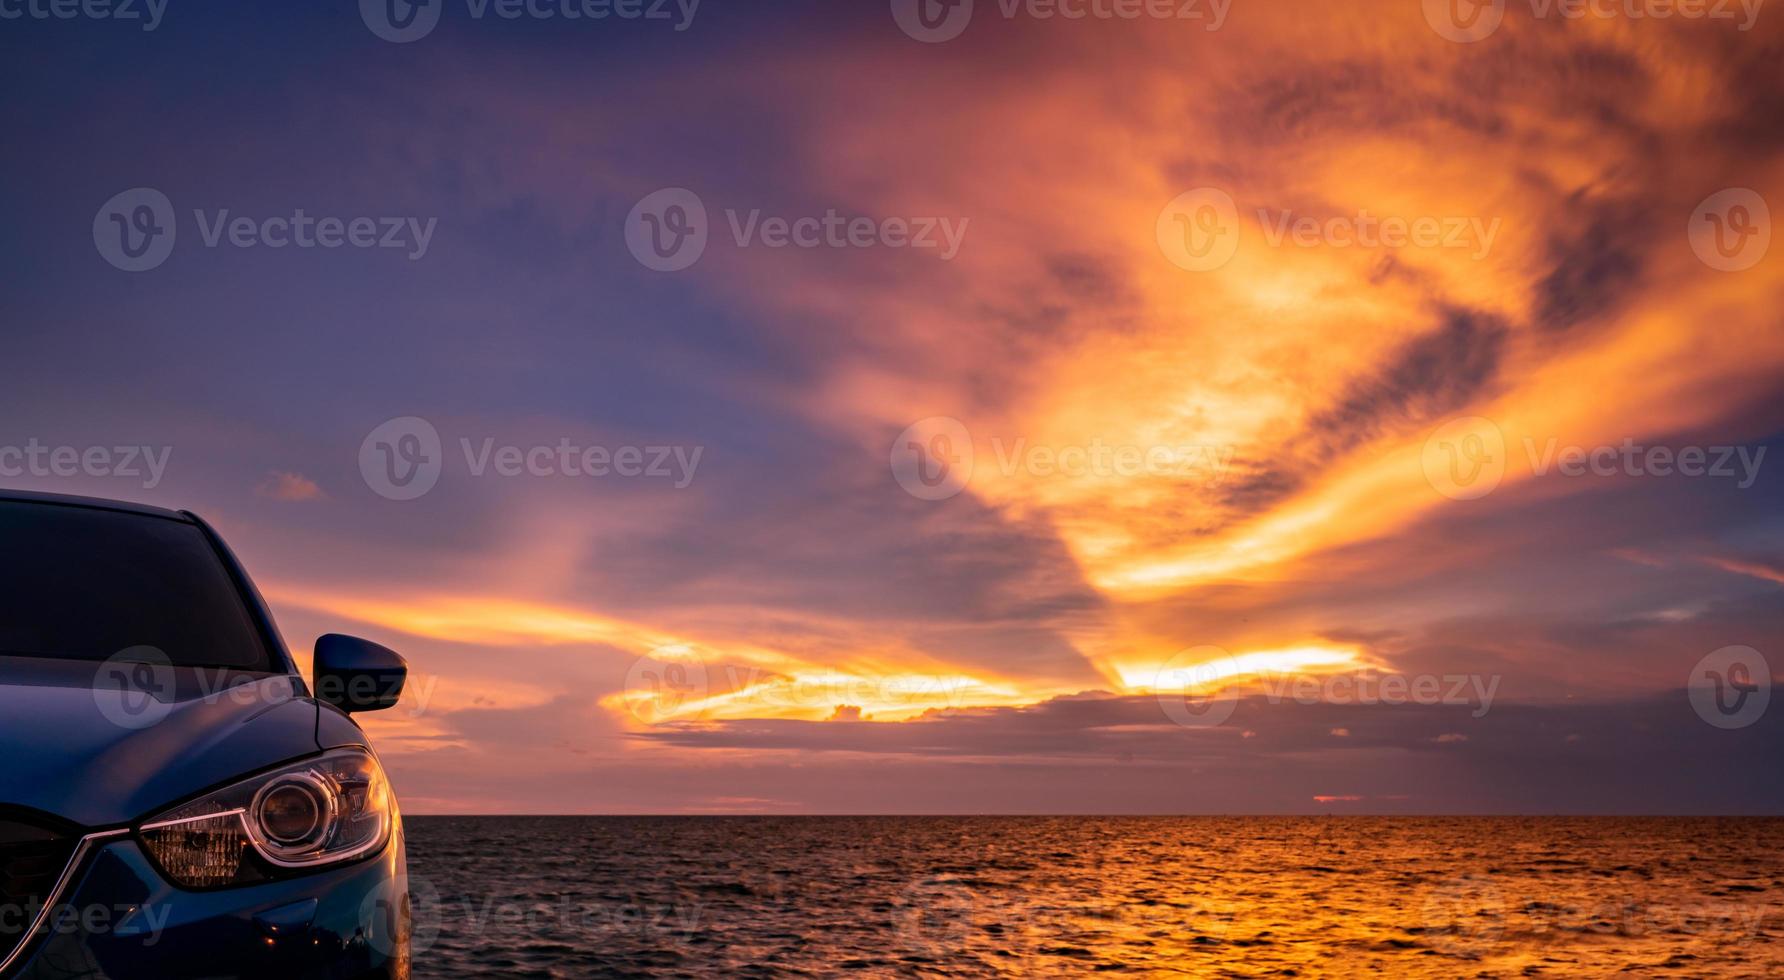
column 817, row 407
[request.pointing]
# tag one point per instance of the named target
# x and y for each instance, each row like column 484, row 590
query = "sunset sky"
column 1268, row 487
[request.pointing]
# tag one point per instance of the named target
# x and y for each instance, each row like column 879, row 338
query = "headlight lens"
column 326, row 810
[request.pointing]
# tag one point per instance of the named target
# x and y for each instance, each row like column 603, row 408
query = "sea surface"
column 1065, row 896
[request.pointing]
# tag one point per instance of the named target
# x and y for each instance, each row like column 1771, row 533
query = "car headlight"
column 327, row 810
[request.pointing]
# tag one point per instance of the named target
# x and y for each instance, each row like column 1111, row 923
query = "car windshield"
column 83, row 583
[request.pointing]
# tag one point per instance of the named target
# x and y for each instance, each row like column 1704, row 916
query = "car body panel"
column 336, row 729
column 73, row 750
column 94, row 749
column 71, row 500
column 346, row 923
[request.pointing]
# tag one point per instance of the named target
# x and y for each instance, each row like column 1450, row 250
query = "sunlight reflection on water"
column 1010, row 896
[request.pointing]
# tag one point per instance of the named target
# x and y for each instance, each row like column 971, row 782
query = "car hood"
column 106, row 744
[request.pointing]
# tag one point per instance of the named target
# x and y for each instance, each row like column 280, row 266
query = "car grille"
column 32, row 858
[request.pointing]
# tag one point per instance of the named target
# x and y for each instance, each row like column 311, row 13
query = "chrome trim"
column 328, row 806
column 237, row 812
column 54, row 899
column 260, row 845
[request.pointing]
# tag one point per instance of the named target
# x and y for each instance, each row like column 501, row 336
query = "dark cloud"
column 1517, row 757
column 1430, row 376
column 1427, row 378
column 1595, row 258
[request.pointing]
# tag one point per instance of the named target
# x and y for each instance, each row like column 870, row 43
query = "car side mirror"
column 358, row 675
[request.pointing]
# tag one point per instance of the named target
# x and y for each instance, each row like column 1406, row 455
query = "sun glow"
column 675, row 678
column 809, row 695
column 1208, row 670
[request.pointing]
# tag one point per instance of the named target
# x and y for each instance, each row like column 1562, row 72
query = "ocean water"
column 1063, row 896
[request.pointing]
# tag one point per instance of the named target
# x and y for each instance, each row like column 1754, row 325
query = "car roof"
column 69, row 500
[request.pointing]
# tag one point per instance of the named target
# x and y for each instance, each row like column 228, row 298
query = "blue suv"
column 175, row 801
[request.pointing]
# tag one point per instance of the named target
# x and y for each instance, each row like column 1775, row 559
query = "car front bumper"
column 119, row 918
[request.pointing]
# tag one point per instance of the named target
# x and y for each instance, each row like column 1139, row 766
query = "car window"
column 83, row 583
